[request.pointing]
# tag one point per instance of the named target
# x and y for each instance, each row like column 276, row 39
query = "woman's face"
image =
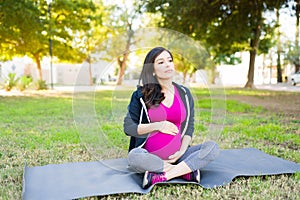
column 164, row 66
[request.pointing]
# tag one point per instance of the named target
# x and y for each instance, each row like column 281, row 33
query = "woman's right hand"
column 168, row 128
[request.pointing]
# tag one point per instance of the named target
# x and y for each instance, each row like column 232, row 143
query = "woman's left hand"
column 173, row 158
column 184, row 146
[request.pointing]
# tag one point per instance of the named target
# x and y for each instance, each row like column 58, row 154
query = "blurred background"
column 48, row 43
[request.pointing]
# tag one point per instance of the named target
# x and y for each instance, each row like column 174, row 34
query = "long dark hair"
column 151, row 88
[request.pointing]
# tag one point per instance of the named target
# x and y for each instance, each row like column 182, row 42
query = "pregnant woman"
column 160, row 121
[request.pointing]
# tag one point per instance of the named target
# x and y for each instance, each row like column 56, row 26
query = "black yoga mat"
column 85, row 179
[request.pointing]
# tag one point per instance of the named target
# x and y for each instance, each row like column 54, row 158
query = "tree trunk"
column 90, row 70
column 38, row 65
column 254, row 46
column 250, row 81
column 122, row 63
column 279, row 70
column 297, row 65
column 184, row 76
column 122, row 67
column 254, row 43
column 90, row 74
column 297, row 23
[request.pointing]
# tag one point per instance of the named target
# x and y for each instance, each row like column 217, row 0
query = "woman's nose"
column 167, row 65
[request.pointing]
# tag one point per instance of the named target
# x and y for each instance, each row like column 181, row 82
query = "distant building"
column 19, row 66
column 62, row 73
column 102, row 71
column 265, row 71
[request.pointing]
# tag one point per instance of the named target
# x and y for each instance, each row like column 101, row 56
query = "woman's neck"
column 166, row 85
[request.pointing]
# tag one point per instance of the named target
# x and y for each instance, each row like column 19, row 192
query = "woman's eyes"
column 163, row 62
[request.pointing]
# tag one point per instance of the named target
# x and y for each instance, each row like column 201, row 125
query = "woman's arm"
column 132, row 118
column 163, row 126
column 148, row 128
column 186, row 140
column 131, row 124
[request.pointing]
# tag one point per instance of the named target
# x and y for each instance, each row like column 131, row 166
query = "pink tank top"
column 161, row 144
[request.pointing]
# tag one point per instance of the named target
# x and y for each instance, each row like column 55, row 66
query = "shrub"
column 41, row 85
column 11, row 81
column 24, row 82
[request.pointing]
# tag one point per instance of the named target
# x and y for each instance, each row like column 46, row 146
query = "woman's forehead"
column 163, row 55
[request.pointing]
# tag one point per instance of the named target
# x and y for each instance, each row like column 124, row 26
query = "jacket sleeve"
column 132, row 117
column 190, row 128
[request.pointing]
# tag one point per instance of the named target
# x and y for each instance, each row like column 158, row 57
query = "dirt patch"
column 287, row 104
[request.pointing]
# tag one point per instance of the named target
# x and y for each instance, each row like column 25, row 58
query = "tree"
column 25, row 28
column 125, row 34
column 293, row 56
column 119, row 34
column 20, row 28
column 89, row 41
column 224, row 27
column 279, row 50
column 294, row 49
column 189, row 54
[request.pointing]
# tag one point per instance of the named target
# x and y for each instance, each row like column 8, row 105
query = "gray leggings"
column 196, row 157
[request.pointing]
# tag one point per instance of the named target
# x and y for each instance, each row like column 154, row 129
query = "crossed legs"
column 196, row 157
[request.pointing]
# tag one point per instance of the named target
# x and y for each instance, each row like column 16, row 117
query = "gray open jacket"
column 137, row 113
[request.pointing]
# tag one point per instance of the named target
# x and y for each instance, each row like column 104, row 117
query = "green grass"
column 40, row 130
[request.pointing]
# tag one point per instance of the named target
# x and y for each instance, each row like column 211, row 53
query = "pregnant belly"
column 163, row 145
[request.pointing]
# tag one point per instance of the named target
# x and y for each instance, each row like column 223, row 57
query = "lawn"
column 42, row 129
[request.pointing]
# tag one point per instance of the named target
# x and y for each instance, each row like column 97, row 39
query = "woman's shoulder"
column 138, row 92
column 136, row 97
column 182, row 88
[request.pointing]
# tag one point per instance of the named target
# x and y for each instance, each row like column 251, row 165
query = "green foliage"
column 228, row 59
column 40, row 85
column 26, row 28
column 293, row 54
column 24, row 82
column 11, row 81
column 224, row 27
column 21, row 26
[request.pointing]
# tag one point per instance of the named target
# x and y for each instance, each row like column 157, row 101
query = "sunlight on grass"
column 250, row 92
